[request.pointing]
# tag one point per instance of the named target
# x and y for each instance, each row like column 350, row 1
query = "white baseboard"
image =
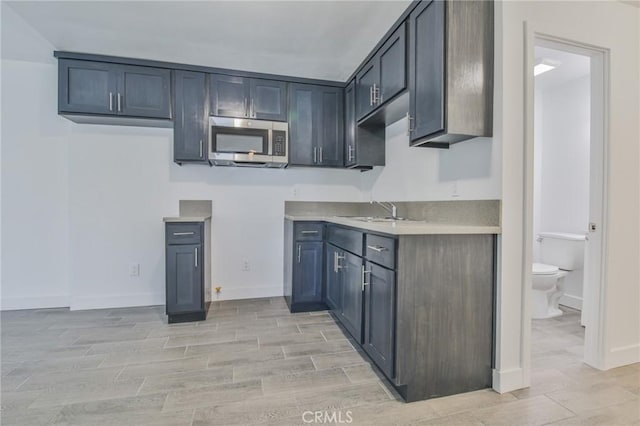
column 571, row 301
column 508, row 380
column 15, row 303
column 120, row 301
column 623, row 355
column 246, row 293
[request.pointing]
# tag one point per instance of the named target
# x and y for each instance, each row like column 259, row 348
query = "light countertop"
column 186, row 219
column 401, row 227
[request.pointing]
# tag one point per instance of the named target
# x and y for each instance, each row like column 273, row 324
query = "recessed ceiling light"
column 544, row 65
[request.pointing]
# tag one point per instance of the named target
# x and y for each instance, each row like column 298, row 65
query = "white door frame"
column 595, row 295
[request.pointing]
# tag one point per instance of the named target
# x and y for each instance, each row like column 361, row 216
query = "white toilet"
column 560, row 253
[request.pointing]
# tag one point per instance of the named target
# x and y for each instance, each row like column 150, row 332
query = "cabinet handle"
column 370, row 95
column 376, row 95
column 177, row 234
column 246, row 112
column 349, row 153
column 409, row 129
column 315, row 155
column 253, row 108
column 299, row 247
column 379, row 249
column 110, row 101
column 364, row 281
column 196, row 257
column 200, row 148
column 335, row 261
column 119, row 102
column 309, row 232
column 320, row 149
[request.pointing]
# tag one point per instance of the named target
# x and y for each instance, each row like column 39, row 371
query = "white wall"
column 561, row 169
column 612, row 25
column 85, row 201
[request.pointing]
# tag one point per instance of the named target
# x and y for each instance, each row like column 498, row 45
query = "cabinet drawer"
column 309, row 231
column 347, row 239
column 381, row 250
column 184, row 233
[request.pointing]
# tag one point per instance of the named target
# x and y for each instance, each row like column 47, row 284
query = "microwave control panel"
column 279, row 143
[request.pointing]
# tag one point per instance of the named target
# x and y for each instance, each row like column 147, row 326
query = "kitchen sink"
column 376, row 219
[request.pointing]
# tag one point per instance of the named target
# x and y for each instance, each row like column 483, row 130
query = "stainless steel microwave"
column 248, row 143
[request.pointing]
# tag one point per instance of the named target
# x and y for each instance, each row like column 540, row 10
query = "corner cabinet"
column 191, row 125
column 316, row 125
column 242, row 97
column 363, row 148
column 304, row 266
column 188, row 269
column 121, row 92
column 448, row 102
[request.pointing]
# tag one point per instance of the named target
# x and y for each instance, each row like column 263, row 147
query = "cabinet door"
column 307, row 272
column 379, row 323
column 330, row 126
column 87, row 87
column 393, row 68
column 426, row 69
column 333, row 281
column 350, row 124
column 351, row 316
column 268, row 100
column 365, row 81
column 229, row 96
column 144, row 92
column 184, row 278
column 190, row 126
column 302, row 134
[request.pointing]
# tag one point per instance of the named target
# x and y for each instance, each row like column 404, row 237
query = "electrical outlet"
column 245, row 265
column 134, row 269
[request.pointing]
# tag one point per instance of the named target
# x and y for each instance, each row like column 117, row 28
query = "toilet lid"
column 542, row 269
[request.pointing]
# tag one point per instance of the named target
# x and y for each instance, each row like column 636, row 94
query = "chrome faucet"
column 388, row 206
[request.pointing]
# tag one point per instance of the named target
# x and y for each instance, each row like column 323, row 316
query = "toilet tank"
column 564, row 250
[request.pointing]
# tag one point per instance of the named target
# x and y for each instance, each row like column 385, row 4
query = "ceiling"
column 314, row 39
column 570, row 66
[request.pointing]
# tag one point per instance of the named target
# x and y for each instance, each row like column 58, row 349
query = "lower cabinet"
column 186, row 272
column 380, row 316
column 307, row 272
column 333, row 278
column 351, row 313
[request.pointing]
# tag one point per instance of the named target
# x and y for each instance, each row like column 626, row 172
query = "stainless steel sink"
column 375, row 219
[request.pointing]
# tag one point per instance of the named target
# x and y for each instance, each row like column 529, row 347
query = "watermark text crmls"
column 327, row 417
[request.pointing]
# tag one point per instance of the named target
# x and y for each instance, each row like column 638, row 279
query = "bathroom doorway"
column 565, row 198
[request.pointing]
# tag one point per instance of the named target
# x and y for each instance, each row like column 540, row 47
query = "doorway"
column 565, row 199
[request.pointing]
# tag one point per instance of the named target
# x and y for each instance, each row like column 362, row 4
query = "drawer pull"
column 309, row 232
column 379, row 249
column 178, row 234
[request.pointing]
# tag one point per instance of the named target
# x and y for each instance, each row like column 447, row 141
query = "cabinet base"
column 307, row 307
column 189, row 316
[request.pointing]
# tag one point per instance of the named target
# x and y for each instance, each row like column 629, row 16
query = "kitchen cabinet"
column 333, row 278
column 384, row 76
column 190, row 127
column 363, row 148
column 243, row 97
column 352, row 288
column 316, row 125
column 304, row 266
column 449, row 103
column 187, row 271
column 108, row 89
column 379, row 316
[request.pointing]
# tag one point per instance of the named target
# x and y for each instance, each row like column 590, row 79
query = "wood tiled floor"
column 252, row 362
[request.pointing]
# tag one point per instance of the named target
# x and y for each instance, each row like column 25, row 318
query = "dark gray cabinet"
column 99, row 88
column 333, row 278
column 384, row 76
column 379, row 316
column 243, row 97
column 450, row 72
column 316, row 125
column 363, row 148
column 352, row 287
column 190, row 127
column 185, row 271
column 304, row 266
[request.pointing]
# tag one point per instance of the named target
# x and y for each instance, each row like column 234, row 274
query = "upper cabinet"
column 363, row 148
column 316, row 125
column 107, row 89
column 242, row 97
column 450, row 72
column 190, row 127
column 384, row 76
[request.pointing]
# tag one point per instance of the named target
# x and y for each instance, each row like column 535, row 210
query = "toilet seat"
column 543, row 269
